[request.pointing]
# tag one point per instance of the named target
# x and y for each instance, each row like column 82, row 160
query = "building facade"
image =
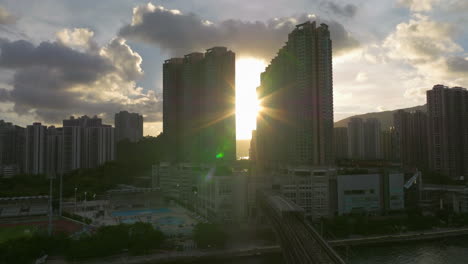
column 128, row 126
column 199, row 106
column 389, row 145
column 356, row 139
column 87, row 143
column 370, row 193
column 35, row 149
column 216, row 192
column 448, row 130
column 372, row 130
column 307, row 187
column 296, row 93
column 340, row 138
column 11, row 149
column 412, row 131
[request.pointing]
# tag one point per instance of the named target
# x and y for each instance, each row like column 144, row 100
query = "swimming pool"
column 163, row 221
column 141, row 212
column 170, row 220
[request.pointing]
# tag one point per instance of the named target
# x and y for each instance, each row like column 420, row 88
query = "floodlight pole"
column 50, row 207
column 61, row 190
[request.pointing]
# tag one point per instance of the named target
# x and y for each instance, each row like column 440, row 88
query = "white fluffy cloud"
column 419, row 5
column 429, row 46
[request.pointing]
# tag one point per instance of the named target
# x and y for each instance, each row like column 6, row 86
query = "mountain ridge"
column 385, row 117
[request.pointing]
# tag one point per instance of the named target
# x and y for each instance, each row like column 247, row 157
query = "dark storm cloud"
column 348, row 10
column 183, row 33
column 53, row 81
column 69, row 65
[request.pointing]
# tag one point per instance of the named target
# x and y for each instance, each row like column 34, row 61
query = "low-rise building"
column 216, row 192
column 308, row 187
column 372, row 193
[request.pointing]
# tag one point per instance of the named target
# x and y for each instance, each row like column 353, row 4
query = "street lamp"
column 85, row 194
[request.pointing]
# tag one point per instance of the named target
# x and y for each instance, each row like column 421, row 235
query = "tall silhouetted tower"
column 296, row 92
column 199, row 106
column 128, row 126
column 356, row 145
column 340, row 138
column 448, row 130
column 372, row 131
column 412, row 130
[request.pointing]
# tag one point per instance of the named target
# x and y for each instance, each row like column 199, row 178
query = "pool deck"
column 173, row 220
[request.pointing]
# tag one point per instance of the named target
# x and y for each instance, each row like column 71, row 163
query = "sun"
column 247, row 105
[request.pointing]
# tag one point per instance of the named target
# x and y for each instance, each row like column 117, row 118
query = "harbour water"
column 444, row 251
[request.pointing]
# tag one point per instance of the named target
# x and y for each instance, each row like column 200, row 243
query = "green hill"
column 385, row 117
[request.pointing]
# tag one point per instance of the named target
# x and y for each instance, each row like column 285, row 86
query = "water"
column 141, row 212
column 445, row 251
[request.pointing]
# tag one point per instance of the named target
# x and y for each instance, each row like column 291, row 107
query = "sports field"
column 11, row 232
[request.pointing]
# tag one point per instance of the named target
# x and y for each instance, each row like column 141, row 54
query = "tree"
column 209, row 236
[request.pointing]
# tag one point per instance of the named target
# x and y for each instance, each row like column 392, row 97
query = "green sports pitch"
column 12, row 232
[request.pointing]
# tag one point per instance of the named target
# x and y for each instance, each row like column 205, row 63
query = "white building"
column 370, row 193
column 308, row 187
column 218, row 193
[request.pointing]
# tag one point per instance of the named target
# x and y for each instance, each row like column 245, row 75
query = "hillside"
column 385, row 117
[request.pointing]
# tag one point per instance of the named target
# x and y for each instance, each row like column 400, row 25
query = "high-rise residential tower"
column 356, row 138
column 199, row 106
column 340, row 138
column 296, row 93
column 448, row 130
column 128, row 126
column 372, row 142
column 389, row 145
column 87, row 143
column 35, row 149
column 11, row 148
column 411, row 130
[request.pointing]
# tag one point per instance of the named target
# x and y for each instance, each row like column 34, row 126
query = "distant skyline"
column 67, row 57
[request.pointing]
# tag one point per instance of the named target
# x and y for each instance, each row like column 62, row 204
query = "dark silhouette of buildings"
column 448, row 130
column 340, row 138
column 35, row 149
column 296, row 93
column 128, row 126
column 364, row 141
column 199, row 106
column 87, row 143
column 389, row 145
column 412, row 130
column 11, row 149
column 372, row 142
column 356, row 139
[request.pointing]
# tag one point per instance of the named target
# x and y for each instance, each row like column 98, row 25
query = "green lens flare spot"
column 219, row 155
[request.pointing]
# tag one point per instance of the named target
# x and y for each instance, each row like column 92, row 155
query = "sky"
column 65, row 57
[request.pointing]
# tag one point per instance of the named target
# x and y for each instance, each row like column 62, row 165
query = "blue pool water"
column 170, row 220
column 141, row 212
column 163, row 221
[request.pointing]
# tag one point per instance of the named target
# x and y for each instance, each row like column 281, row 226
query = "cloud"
column 362, row 77
column 181, row 33
column 348, row 10
column 418, row 5
column 74, row 76
column 428, row 46
column 6, row 17
column 421, row 40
